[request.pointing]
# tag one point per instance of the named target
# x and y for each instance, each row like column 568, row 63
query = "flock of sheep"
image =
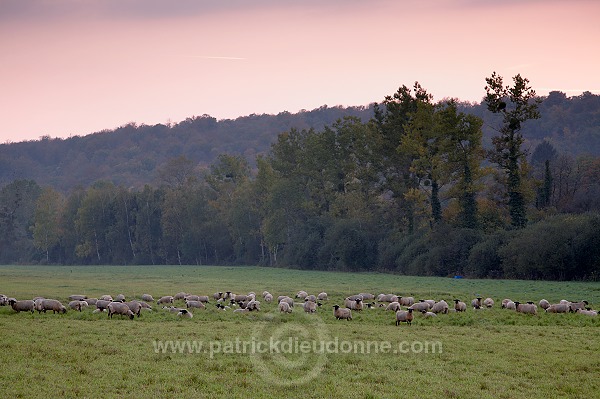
column 244, row 303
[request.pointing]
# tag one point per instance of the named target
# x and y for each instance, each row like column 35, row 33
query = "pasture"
column 490, row 353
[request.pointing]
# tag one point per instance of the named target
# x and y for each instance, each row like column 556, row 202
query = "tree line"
column 413, row 190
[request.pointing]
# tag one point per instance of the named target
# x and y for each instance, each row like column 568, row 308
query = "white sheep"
column 195, row 304
column 268, row 297
column 427, row 314
column 393, row 306
column 488, row 302
column 21, row 306
column 587, row 312
column 310, row 306
column 406, row 300
column 165, row 299
column 558, row 308
column 78, row 305
column 544, row 304
column 301, row 294
column 119, row 308
column 476, row 303
column 440, row 307
column 322, row 296
column 527, row 308
column 147, row 298
column 420, row 306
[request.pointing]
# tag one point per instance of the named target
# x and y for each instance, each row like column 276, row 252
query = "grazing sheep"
column 488, row 302
column 440, row 307
column 185, row 314
column 241, row 311
column 342, row 313
column 504, row 302
column 268, row 297
column 394, row 306
column 578, row 305
column 54, row 305
column 253, row 305
column 191, row 298
column 180, row 296
column 221, row 307
column 311, row 298
column 420, row 306
column 302, row 295
column 78, row 305
column 427, row 314
column 145, row 305
column 21, row 306
column 405, row 316
column 120, row 298
column 239, row 298
column 135, row 307
column 387, row 298
column 217, row 296
column 171, row 309
column 558, row 308
column 38, row 304
column 510, row 305
column 587, row 312
column 322, row 296
column 406, row 300
column 106, row 298
column 119, row 308
column 544, row 304
column 228, row 295
column 310, row 306
column 367, row 296
column 102, row 304
column 77, row 297
column 527, row 308
column 195, row 304
column 165, row 299
column 564, row 302
column 460, row 306
column 285, row 307
column 92, row 301
column 147, row 298
column 288, row 300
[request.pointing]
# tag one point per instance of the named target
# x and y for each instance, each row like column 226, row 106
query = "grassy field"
column 492, row 353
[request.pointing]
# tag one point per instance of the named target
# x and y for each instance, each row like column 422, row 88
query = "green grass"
column 491, row 353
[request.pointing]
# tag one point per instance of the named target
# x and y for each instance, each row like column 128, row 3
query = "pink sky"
column 74, row 67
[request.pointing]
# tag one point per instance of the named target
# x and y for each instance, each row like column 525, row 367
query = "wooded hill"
column 407, row 185
column 130, row 155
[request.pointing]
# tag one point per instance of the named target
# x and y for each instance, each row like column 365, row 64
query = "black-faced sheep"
column 342, row 313
column 460, row 306
column 185, row 314
column 404, row 316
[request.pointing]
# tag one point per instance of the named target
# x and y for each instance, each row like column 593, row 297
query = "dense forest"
column 508, row 188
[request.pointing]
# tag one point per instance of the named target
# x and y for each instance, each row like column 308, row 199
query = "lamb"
column 322, row 296
column 587, row 312
column 405, row 316
column 510, row 305
column 394, row 306
column 527, row 308
column 21, row 306
column 171, row 309
column 185, row 314
column 119, row 308
column 53, row 305
column 147, row 298
column 165, row 299
column 195, row 304
column 77, row 297
column 78, row 305
column 285, row 307
column 120, row 298
column 406, row 300
column 558, row 308
column 440, row 307
column 342, row 313
column 488, row 302
column 241, row 311
column 544, row 304
column 427, row 314
column 460, row 306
